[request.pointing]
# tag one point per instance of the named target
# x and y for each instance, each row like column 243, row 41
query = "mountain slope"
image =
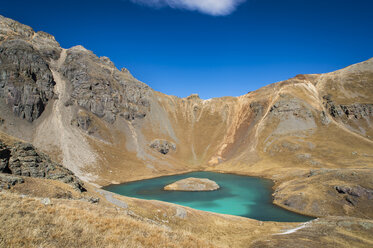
column 108, row 127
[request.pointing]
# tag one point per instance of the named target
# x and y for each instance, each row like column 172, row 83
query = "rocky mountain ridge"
column 107, row 127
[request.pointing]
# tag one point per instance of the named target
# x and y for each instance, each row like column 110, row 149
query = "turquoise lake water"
column 238, row 195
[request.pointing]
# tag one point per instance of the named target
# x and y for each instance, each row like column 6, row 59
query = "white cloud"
column 210, row 7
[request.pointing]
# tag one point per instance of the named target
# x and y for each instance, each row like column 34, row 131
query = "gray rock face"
column 9, row 27
column 95, row 84
column 41, row 41
column 295, row 115
column 162, row 146
column 46, row 45
column 23, row 160
column 100, row 88
column 356, row 110
column 289, row 105
column 26, row 82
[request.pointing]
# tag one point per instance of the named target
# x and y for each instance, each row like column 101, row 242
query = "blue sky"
column 213, row 48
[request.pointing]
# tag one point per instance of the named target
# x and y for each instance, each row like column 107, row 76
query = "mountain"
column 311, row 134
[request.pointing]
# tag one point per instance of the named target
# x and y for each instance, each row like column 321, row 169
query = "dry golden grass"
column 39, row 187
column 316, row 195
column 26, row 222
column 74, row 222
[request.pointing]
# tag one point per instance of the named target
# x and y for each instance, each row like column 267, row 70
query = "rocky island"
column 193, row 184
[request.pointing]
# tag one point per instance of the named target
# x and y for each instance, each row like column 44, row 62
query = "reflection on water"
column 238, row 195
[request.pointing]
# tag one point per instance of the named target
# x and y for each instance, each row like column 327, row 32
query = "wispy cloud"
column 210, row 7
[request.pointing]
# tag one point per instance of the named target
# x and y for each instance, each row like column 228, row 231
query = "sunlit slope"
column 108, row 127
column 292, row 124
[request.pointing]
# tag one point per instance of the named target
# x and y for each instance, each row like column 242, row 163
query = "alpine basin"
column 238, row 195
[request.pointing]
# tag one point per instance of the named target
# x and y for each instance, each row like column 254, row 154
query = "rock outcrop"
column 26, row 82
column 96, row 85
column 162, row 146
column 22, row 159
column 356, row 110
column 84, row 94
column 193, row 184
column 99, row 87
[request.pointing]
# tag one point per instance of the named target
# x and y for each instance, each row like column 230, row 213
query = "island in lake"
column 193, row 184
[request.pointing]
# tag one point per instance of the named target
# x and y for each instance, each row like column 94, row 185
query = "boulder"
column 162, row 146
column 97, row 86
column 181, row 213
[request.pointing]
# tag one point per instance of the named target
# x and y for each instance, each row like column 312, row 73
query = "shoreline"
column 273, row 187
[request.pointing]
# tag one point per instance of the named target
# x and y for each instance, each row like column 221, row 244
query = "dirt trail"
column 109, row 197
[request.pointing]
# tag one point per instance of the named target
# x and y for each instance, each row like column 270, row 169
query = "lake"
column 238, row 195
